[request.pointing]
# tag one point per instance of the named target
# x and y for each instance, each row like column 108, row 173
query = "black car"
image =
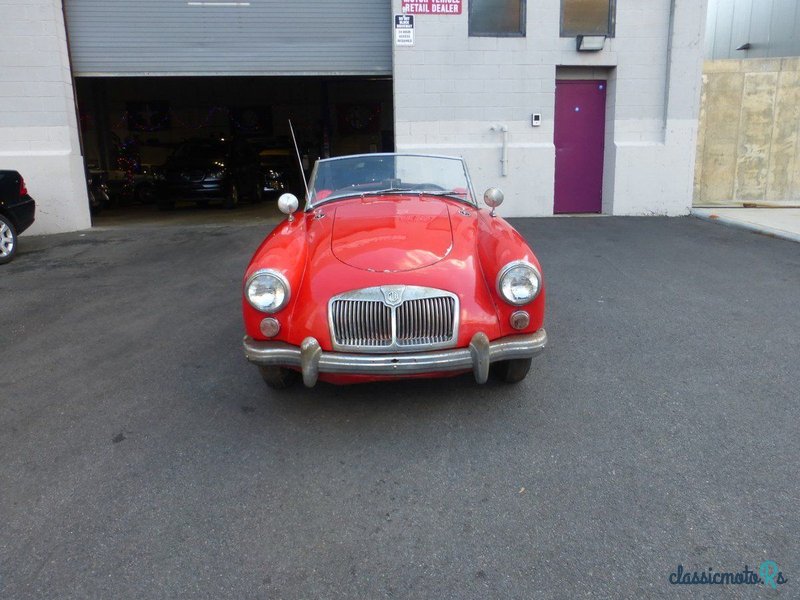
column 17, row 211
column 206, row 170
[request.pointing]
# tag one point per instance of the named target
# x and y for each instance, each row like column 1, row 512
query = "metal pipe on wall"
column 504, row 156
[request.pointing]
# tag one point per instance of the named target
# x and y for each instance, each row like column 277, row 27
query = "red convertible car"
column 392, row 271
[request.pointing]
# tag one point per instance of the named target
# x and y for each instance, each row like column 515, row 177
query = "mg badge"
column 393, row 294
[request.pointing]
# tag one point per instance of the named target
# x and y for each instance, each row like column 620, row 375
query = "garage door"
column 220, row 37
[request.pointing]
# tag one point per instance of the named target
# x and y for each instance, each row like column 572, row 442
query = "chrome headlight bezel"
column 506, row 270
column 280, row 279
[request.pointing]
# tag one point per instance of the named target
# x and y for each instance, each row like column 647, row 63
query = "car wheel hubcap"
column 6, row 240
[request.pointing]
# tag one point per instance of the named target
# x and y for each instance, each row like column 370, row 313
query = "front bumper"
column 312, row 361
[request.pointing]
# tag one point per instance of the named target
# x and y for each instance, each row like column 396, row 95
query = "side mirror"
column 493, row 198
column 288, row 204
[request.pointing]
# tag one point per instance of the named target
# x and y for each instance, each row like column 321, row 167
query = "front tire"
column 146, row 193
column 8, row 240
column 279, row 378
column 511, row 371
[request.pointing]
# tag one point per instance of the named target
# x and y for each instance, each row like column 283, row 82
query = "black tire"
column 8, row 240
column 511, row 371
column 232, row 198
column 279, row 378
column 146, row 193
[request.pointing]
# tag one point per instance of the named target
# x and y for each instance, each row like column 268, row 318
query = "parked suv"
column 17, row 210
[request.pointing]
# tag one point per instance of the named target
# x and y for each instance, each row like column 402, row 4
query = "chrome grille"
column 362, row 323
column 393, row 318
column 425, row 321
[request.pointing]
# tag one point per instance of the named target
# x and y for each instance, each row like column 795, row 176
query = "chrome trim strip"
column 373, row 154
column 316, row 361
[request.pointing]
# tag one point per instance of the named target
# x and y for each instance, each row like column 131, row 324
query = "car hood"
column 392, row 234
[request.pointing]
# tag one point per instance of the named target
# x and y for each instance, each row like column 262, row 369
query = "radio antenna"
column 299, row 161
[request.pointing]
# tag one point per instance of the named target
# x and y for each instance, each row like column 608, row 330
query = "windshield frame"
column 309, row 206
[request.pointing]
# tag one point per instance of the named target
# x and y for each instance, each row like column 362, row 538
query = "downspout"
column 668, row 71
column 504, row 156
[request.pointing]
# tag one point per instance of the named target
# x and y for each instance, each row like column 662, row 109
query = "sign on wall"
column 404, row 30
column 432, row 7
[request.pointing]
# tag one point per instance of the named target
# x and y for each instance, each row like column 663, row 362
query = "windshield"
column 385, row 174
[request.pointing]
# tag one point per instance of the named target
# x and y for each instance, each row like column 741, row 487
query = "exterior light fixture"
column 590, row 43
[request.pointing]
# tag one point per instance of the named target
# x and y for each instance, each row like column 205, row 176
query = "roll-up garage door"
column 220, row 37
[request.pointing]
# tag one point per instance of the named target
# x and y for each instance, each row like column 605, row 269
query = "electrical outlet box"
column 536, row 119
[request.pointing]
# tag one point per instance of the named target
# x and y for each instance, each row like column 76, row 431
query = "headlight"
column 519, row 282
column 267, row 291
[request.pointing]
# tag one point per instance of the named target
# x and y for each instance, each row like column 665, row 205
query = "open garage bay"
column 160, row 144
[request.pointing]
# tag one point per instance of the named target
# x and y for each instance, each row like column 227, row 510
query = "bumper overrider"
column 312, row 360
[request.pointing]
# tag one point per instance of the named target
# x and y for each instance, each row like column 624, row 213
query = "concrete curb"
column 708, row 214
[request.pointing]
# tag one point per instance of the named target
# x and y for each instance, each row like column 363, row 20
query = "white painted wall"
column 38, row 125
column 451, row 88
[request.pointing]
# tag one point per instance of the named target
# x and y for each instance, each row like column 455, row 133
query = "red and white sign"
column 432, row 7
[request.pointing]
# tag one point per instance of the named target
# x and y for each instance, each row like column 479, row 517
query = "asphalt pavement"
column 143, row 457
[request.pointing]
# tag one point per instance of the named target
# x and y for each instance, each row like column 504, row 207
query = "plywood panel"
column 783, row 148
column 755, row 135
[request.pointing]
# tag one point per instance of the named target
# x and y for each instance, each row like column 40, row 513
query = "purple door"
column 579, row 135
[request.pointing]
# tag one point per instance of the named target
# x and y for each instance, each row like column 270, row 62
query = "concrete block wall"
column 450, row 89
column 38, row 123
column 748, row 147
